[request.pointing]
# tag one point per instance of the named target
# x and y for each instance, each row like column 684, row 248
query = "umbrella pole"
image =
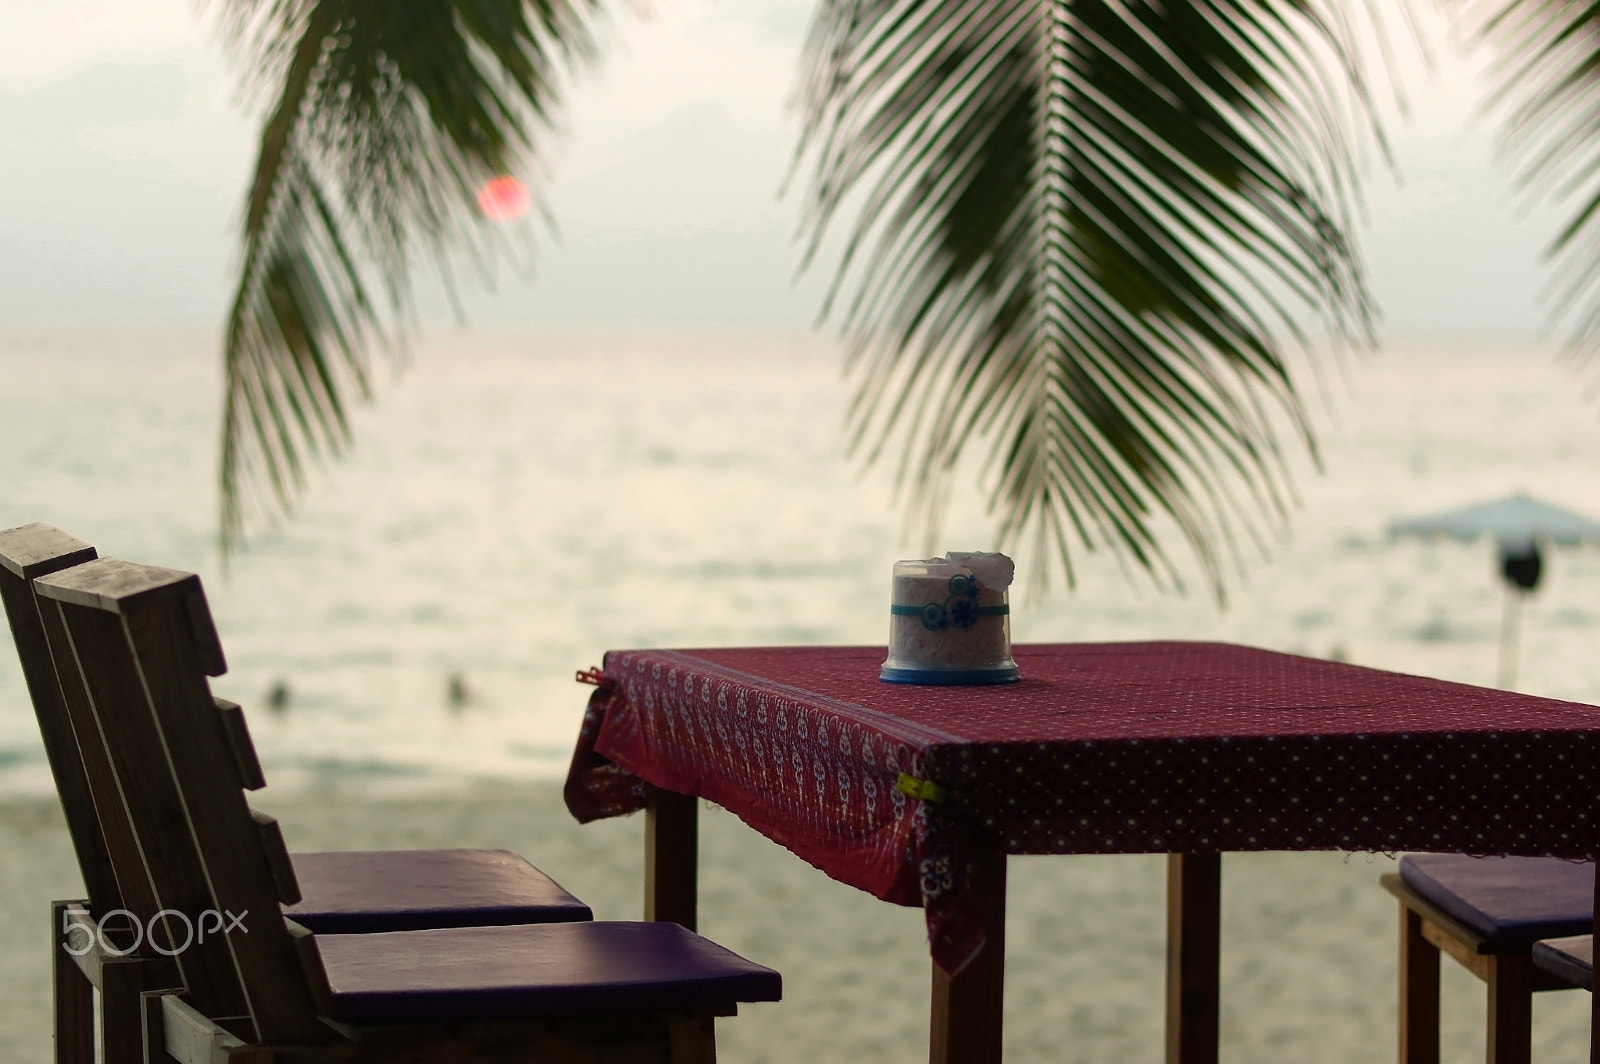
column 1509, row 623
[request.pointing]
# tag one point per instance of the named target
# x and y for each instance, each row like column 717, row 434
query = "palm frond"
column 383, row 118
column 1083, row 231
column 1548, row 71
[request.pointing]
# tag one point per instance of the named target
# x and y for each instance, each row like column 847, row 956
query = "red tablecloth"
column 1101, row 748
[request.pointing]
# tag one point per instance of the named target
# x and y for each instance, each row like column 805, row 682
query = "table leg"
column 671, row 856
column 1194, row 926
column 968, row 1009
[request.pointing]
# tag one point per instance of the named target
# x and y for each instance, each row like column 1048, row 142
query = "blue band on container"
column 959, row 609
column 950, row 677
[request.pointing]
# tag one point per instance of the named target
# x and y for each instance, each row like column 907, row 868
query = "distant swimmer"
column 278, row 696
column 457, row 693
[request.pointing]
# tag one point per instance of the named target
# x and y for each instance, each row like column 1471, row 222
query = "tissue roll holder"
column 946, row 627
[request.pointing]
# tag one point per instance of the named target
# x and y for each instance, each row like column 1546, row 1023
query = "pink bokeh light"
column 504, row 198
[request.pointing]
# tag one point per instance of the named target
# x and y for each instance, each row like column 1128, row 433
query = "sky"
column 126, row 152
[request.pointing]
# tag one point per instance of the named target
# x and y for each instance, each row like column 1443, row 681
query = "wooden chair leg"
column 693, row 1041
column 155, row 1034
column 967, row 1022
column 73, row 997
column 122, row 1011
column 1419, row 992
column 671, row 857
column 1594, row 995
column 1194, row 940
column 1510, row 1009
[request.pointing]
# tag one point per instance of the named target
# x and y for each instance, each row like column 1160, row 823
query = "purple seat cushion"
column 1509, row 901
column 1571, row 959
column 361, row 892
column 479, row 973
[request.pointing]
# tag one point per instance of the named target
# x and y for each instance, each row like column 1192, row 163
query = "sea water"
column 516, row 502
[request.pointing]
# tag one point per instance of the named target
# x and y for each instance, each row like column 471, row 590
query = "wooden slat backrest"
column 26, row 552
column 95, row 643
column 145, row 644
column 137, row 893
column 240, row 746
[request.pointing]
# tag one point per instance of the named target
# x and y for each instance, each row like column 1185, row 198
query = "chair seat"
column 371, row 891
column 480, row 973
column 1507, row 901
column 1571, row 959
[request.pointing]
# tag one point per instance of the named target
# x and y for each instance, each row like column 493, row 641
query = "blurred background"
column 636, row 438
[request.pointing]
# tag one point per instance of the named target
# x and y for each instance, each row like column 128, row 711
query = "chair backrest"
column 143, row 643
column 27, row 552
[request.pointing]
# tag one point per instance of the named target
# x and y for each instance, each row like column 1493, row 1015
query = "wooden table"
column 917, row 794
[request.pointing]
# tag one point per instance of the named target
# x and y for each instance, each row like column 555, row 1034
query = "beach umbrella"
column 1518, row 525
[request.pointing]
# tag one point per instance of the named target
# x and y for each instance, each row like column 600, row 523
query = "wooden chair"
column 1487, row 913
column 265, row 989
column 358, row 892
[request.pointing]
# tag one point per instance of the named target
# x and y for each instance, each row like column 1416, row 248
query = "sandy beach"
column 1307, row 965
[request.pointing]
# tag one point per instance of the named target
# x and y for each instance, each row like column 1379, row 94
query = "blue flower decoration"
column 963, row 612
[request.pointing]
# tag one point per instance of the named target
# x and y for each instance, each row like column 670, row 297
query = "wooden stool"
column 1486, row 913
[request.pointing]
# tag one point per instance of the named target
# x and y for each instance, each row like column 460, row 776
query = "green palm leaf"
column 384, row 118
column 1083, row 230
column 1549, row 74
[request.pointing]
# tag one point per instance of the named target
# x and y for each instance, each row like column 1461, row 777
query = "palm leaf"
column 1083, row 231
column 1549, row 83
column 383, row 118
